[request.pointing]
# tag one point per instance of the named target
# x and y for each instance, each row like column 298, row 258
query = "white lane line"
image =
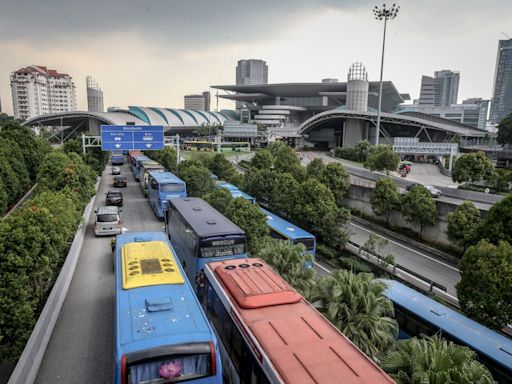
column 322, row 267
column 410, row 249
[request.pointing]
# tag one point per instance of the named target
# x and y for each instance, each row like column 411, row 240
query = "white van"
column 107, row 221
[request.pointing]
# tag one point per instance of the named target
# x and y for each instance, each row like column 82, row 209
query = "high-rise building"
column 94, row 95
column 251, row 71
column 501, row 104
column 198, row 102
column 441, row 90
column 37, row 90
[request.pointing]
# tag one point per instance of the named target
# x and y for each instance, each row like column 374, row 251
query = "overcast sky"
column 153, row 52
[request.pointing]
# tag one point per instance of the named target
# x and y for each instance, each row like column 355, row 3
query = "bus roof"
column 235, row 191
column 147, row 263
column 205, row 220
column 301, row 344
column 286, row 228
column 154, row 315
column 141, row 158
column 166, row 178
column 476, row 336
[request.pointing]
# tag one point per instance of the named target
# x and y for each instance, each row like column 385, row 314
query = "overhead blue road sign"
column 129, row 137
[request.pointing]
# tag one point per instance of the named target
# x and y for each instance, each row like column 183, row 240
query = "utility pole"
column 384, row 13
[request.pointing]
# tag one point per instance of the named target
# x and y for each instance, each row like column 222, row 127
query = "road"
column 82, row 345
column 425, row 174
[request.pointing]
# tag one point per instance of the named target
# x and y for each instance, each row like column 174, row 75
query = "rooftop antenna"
column 504, row 34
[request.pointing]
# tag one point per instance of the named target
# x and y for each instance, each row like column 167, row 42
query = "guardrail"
column 28, row 365
column 403, row 273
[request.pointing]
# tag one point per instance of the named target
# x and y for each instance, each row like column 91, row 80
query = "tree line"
column 34, row 240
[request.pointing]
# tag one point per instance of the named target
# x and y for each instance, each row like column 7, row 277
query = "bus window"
column 173, row 368
column 277, row 235
column 308, row 243
column 218, row 248
column 172, row 188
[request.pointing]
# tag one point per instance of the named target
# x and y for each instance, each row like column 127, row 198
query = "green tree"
column 315, row 167
column 220, row 199
column 485, row 287
column 316, row 211
column 95, row 158
column 419, row 208
column 283, row 191
column 10, row 150
column 337, row 179
column 362, row 150
column 221, row 167
column 473, row 166
column 33, row 149
column 197, row 177
column 385, row 197
column 463, row 224
column 434, row 360
column 263, row 159
column 250, row 218
column 59, row 171
column 286, row 161
column 275, row 146
column 505, row 130
column 4, row 198
column 356, row 305
column 166, row 157
column 382, row 158
column 288, row 260
column 260, row 184
column 498, row 224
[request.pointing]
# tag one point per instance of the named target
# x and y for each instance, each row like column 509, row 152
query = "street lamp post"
column 386, row 14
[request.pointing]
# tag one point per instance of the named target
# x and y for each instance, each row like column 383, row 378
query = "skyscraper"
column 198, row 102
column 251, row 72
column 501, row 104
column 37, row 90
column 441, row 90
column 94, row 96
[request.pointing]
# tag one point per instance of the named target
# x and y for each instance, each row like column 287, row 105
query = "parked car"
column 116, row 170
column 409, row 187
column 120, row 181
column 433, row 191
column 107, row 221
column 114, row 198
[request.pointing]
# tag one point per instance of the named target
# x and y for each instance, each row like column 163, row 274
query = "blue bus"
column 201, row 234
column 235, row 191
column 284, row 230
column 136, row 165
column 161, row 332
column 117, row 158
column 163, row 186
column 418, row 314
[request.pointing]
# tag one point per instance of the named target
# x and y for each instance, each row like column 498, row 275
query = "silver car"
column 434, row 192
column 107, row 221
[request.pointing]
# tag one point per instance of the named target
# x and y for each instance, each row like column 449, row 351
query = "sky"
column 153, row 52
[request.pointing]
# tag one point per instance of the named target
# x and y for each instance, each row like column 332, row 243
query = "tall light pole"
column 386, row 14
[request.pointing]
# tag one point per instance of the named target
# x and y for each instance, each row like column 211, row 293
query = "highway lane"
column 422, row 262
column 82, row 345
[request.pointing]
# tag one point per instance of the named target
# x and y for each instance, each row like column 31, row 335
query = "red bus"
column 270, row 334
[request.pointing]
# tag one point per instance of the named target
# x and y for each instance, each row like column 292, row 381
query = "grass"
column 193, row 155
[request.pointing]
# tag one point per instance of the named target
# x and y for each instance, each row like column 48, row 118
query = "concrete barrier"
column 28, row 365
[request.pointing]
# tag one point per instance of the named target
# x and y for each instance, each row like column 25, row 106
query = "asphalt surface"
column 82, row 345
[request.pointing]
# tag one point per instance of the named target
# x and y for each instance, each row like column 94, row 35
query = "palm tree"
column 433, row 360
column 354, row 303
column 289, row 261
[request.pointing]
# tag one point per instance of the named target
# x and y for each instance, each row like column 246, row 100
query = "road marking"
column 410, row 249
column 322, row 267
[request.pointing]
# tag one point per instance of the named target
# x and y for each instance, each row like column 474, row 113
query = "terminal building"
column 332, row 113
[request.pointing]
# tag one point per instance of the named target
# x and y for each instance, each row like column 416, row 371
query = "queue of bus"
column 191, row 305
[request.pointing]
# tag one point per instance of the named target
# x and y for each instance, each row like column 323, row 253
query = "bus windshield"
column 308, row 243
column 172, row 188
column 223, row 247
column 170, row 369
